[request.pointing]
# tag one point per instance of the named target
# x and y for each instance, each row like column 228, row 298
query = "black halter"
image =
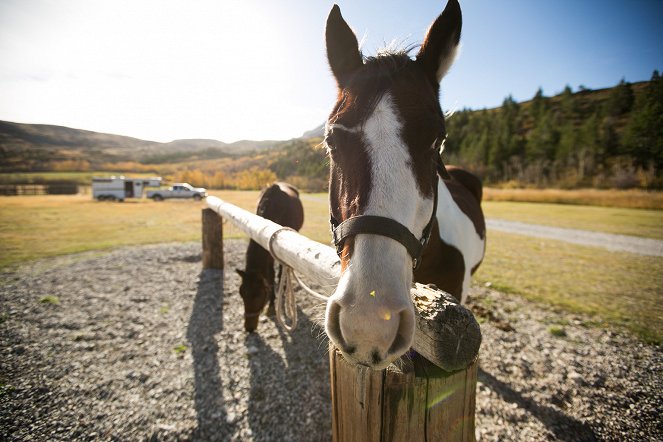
column 380, row 225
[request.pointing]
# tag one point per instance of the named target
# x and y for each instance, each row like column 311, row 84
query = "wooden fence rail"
column 64, row 188
column 429, row 395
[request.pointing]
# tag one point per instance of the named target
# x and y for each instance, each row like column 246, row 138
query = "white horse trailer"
column 118, row 188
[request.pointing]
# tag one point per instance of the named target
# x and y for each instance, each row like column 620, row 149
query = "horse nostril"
column 375, row 357
column 405, row 333
column 333, row 325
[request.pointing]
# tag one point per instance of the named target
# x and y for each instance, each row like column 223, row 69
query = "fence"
column 429, row 396
column 39, row 189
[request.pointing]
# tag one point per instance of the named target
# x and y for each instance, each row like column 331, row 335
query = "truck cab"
column 179, row 191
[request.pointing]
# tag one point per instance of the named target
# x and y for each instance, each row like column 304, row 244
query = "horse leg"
column 271, row 310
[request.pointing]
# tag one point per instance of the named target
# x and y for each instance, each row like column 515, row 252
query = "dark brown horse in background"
column 279, row 203
column 397, row 213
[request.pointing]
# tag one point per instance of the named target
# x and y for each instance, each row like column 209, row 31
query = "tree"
column 643, row 136
column 569, row 103
column 620, row 100
column 539, row 104
column 543, row 139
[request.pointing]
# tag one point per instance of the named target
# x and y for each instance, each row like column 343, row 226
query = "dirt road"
column 610, row 241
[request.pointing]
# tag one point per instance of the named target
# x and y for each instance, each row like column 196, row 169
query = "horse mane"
column 378, row 74
column 375, row 77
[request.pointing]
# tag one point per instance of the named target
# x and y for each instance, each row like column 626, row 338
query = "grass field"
column 614, row 288
column 40, row 226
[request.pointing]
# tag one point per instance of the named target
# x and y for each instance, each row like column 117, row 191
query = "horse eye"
column 330, row 142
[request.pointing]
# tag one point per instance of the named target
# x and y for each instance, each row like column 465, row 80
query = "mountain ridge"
column 25, row 147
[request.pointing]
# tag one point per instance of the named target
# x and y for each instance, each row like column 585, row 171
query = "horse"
column 279, row 203
column 397, row 213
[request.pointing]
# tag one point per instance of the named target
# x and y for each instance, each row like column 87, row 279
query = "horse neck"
column 257, row 258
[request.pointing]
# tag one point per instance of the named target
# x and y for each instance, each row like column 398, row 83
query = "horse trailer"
column 118, row 188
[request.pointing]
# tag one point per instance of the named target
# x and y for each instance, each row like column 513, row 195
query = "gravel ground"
column 144, row 346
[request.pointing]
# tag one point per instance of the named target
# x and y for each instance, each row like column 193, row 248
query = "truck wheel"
column 157, row 198
column 197, row 197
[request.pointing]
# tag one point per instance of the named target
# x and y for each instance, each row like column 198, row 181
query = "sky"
column 256, row 69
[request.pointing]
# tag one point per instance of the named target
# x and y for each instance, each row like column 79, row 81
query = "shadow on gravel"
column 564, row 427
column 283, row 389
column 205, row 322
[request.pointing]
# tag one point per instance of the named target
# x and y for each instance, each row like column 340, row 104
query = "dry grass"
column 628, row 199
column 618, row 288
column 40, row 226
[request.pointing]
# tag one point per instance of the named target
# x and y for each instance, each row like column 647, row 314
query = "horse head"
column 383, row 138
column 255, row 290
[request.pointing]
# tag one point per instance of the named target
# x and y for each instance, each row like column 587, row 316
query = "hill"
column 39, row 147
column 604, row 138
column 317, row 132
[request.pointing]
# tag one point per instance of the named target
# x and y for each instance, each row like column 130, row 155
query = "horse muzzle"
column 373, row 325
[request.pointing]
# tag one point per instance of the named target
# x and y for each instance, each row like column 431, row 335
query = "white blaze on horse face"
column 457, row 229
column 376, row 315
column 394, row 190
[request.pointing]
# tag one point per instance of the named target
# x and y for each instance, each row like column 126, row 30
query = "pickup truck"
column 178, row 190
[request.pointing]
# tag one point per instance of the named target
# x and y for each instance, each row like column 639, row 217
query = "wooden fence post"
column 416, row 402
column 212, row 240
column 414, row 399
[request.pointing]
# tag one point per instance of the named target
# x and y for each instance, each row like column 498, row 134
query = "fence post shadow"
column 205, row 322
column 283, row 387
column 558, row 422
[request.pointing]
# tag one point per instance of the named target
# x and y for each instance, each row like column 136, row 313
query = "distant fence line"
column 65, row 188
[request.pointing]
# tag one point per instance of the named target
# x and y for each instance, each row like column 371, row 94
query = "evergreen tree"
column 542, row 139
column 538, row 105
column 643, row 136
column 620, row 100
column 569, row 103
column 569, row 138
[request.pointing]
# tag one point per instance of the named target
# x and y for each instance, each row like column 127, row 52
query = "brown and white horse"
column 389, row 192
column 279, row 203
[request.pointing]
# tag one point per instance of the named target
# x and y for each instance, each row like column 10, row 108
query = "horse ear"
column 438, row 51
column 342, row 47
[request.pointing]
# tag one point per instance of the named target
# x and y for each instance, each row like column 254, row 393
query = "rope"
column 285, row 294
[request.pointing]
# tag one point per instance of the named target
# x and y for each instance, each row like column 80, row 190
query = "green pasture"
column 618, row 289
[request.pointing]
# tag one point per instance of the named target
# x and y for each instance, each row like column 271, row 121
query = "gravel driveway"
column 139, row 344
column 609, row 241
